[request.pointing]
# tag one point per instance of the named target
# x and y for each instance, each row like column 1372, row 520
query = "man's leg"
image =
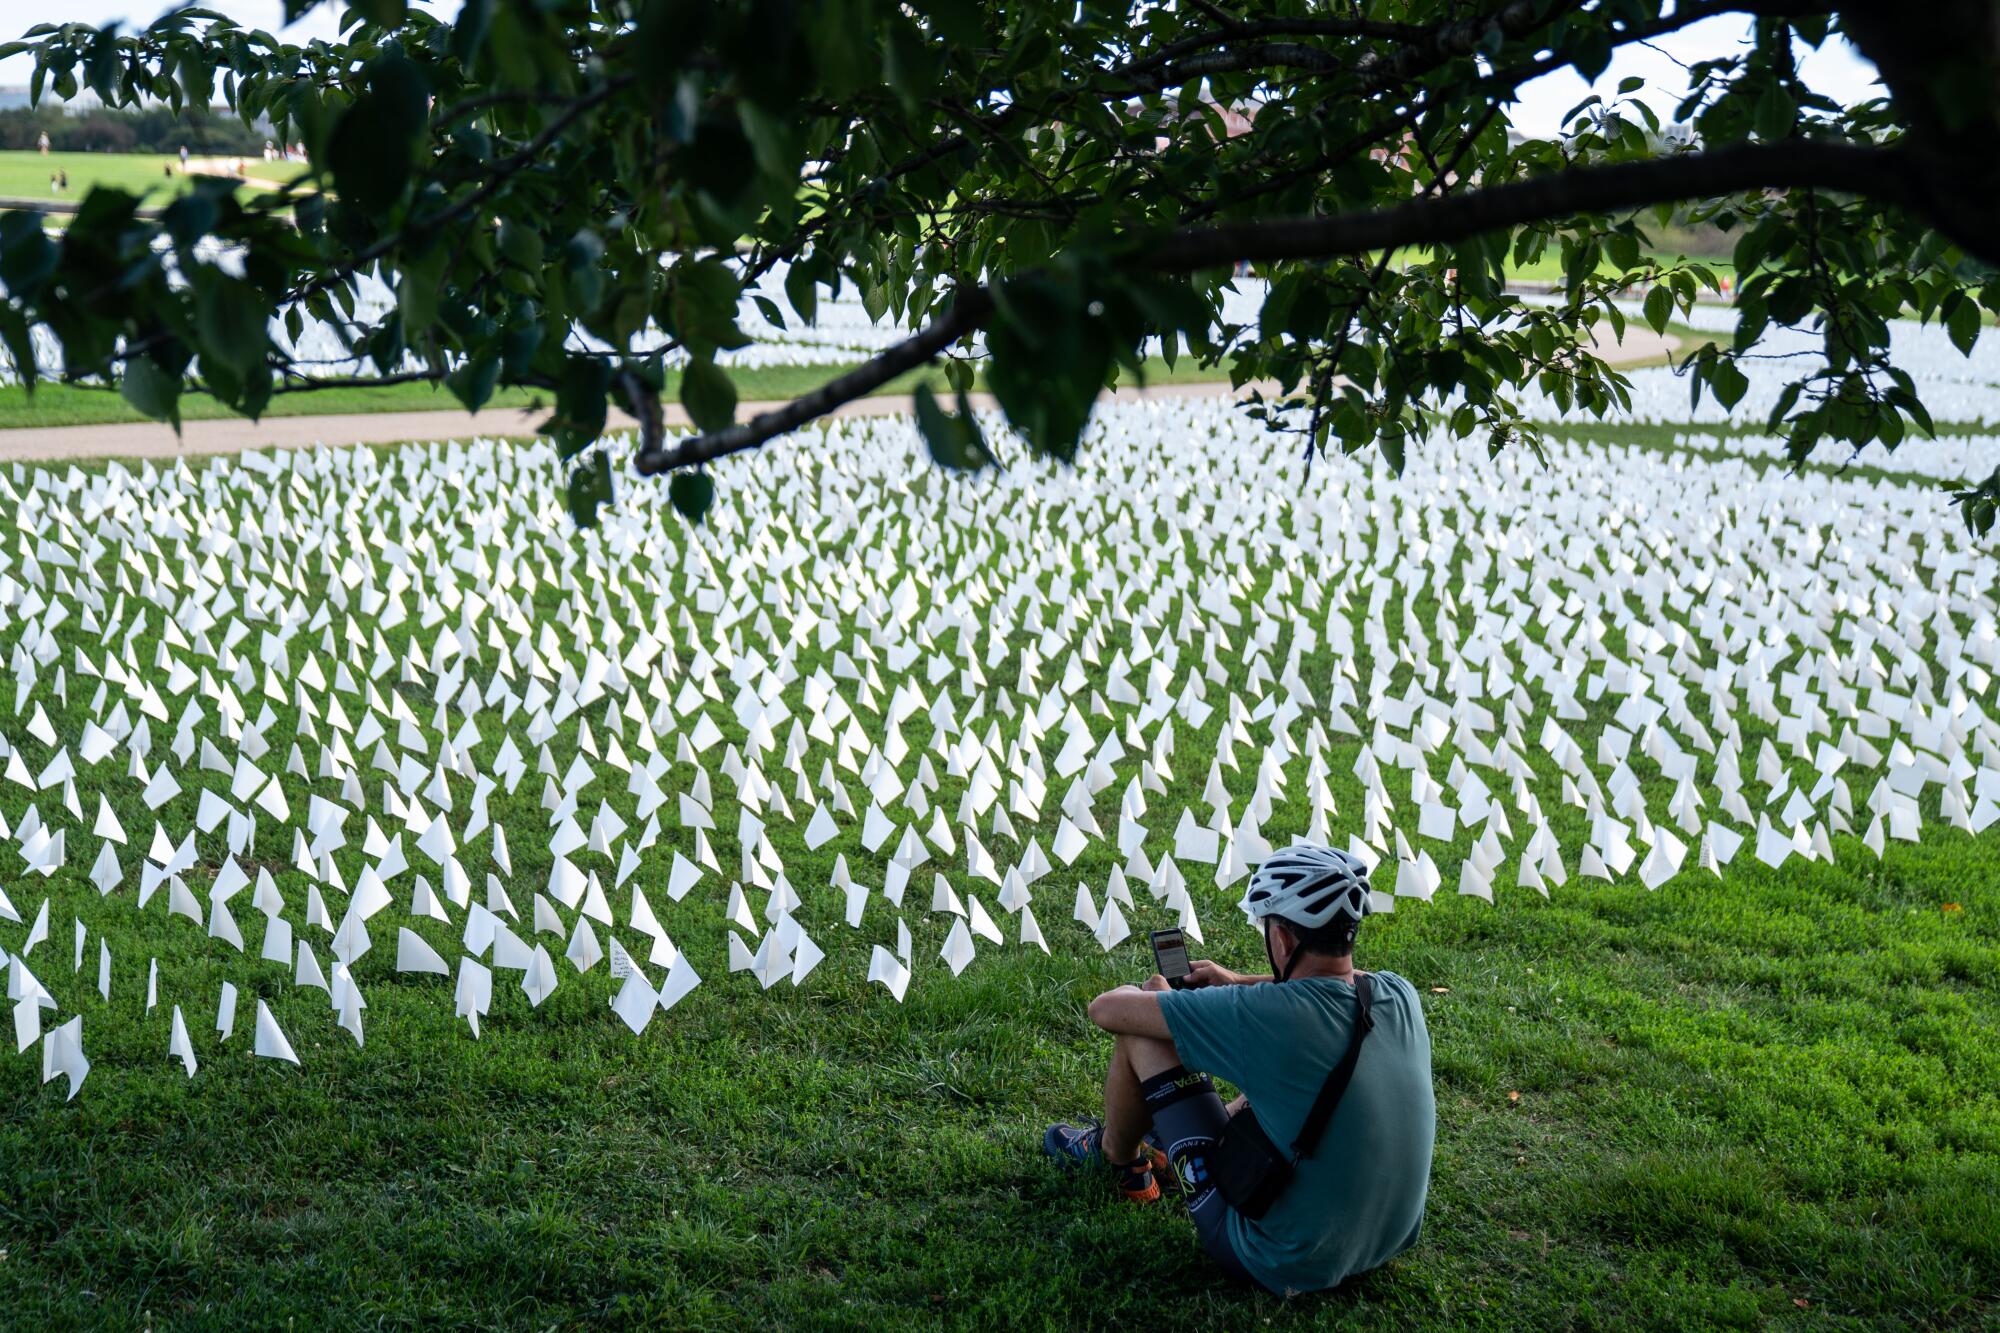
column 1187, row 1116
column 1126, row 1117
column 1119, row 1139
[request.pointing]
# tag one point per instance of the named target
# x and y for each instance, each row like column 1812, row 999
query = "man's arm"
column 1201, row 972
column 1132, row 1010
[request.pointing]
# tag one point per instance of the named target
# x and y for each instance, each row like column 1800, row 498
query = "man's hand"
column 1156, row 982
column 1204, row 973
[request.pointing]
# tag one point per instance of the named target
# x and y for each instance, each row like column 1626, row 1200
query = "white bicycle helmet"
column 1308, row 886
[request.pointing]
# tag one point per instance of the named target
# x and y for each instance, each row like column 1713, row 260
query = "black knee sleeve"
column 1173, row 1085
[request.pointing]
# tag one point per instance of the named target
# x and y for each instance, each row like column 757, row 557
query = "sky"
column 1836, row 69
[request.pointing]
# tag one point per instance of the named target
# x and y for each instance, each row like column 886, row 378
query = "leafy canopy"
column 1049, row 183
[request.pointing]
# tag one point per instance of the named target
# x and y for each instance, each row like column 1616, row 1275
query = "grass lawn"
column 25, row 174
column 57, row 404
column 1762, row 1106
column 1770, row 1102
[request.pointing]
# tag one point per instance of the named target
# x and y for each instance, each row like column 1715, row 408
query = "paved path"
column 231, row 435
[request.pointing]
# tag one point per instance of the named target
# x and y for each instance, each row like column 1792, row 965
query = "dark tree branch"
column 1267, row 28
column 1237, row 59
column 970, row 309
column 1436, row 220
column 1876, row 172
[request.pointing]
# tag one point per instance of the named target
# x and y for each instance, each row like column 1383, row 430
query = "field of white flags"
column 312, row 750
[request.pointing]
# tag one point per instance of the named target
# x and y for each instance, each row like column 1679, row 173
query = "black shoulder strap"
column 1337, row 1081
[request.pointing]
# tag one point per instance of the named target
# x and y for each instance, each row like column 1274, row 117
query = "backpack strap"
column 1336, row 1082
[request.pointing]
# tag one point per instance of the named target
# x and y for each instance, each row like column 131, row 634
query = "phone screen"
column 1170, row 949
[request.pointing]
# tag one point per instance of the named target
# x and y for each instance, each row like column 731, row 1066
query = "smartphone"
column 1170, row 952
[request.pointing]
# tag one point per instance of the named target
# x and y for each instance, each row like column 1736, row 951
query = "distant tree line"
column 153, row 129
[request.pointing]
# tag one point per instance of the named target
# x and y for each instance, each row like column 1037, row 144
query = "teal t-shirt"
column 1359, row 1200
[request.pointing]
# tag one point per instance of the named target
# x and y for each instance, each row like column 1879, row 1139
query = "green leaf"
column 1659, row 307
column 840, row 36
column 19, row 344
column 580, row 404
column 521, row 244
column 1592, row 52
column 958, row 21
column 1963, row 323
column 27, row 255
column 519, row 344
column 388, row 13
column 913, row 66
column 774, row 139
column 590, row 488
column 152, row 390
column 802, row 292
column 715, row 162
column 373, row 144
column 472, row 383
column 1788, row 399
column 1048, row 358
column 234, row 321
column 418, row 290
column 1727, row 382
column 668, row 32
column 955, row 442
column 703, row 297
column 692, row 493
column 709, row 396
column 1777, row 114
column 468, row 32
column 1392, row 452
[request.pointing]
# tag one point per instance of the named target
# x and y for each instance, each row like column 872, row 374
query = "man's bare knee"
column 1148, row 1055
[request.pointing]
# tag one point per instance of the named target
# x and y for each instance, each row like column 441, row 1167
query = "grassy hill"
column 26, row 175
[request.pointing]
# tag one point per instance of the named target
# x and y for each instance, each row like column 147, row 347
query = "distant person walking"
column 184, row 159
column 42, row 143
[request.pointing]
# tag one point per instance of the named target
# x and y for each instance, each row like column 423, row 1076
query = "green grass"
column 1731, row 1101
column 25, row 175
column 1766, row 1103
column 58, row 404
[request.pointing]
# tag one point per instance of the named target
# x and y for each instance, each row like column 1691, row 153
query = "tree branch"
column 1875, row 172
column 971, row 307
column 1436, row 220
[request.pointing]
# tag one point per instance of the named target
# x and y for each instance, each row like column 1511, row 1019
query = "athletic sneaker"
column 1163, row 1165
column 1083, row 1146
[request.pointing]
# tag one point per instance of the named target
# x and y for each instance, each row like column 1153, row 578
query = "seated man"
column 1358, row 1200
